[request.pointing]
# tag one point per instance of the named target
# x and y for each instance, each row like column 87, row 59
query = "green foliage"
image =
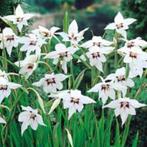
column 7, row 6
column 136, row 9
column 91, row 128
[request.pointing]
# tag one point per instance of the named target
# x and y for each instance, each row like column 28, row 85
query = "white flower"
column 8, row 40
column 121, row 83
column 2, row 121
column 120, row 24
column 137, row 60
column 31, row 44
column 137, row 44
column 73, row 35
column 61, row 55
column 97, row 47
column 29, row 117
column 134, row 56
column 96, row 58
column 73, row 100
column 3, row 74
column 105, row 89
column 124, row 107
column 20, row 19
column 5, row 88
column 99, row 42
column 45, row 33
column 28, row 65
column 51, row 82
column 137, row 70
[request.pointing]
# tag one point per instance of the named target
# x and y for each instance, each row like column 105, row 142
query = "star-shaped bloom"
column 19, row 18
column 105, row 89
column 120, row 24
column 3, row 74
column 2, row 121
column 96, row 58
column 138, row 44
column 30, row 117
column 51, row 82
column 121, row 83
column 45, row 33
column 6, row 87
column 99, row 42
column 137, row 70
column 8, row 40
column 28, row 65
column 137, row 60
column 73, row 35
column 73, row 100
column 124, row 107
column 62, row 55
column 31, row 43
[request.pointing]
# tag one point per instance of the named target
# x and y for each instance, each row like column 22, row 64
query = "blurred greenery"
column 45, row 6
column 136, row 9
column 7, row 6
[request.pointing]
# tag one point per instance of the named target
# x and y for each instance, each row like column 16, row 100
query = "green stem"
column 66, row 22
column 94, row 76
column 115, row 51
column 71, row 73
column 4, row 132
column 5, row 65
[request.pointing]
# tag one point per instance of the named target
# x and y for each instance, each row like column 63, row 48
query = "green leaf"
column 127, row 70
column 55, row 135
column 40, row 101
column 135, row 141
column 108, row 130
column 54, row 106
column 79, row 79
column 101, row 129
column 126, row 132
column 117, row 135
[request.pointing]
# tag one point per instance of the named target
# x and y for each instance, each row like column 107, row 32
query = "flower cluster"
column 6, row 86
column 34, row 45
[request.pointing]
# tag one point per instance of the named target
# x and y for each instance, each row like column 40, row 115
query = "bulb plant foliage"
column 39, row 79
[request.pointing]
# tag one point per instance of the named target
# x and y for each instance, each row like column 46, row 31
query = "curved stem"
column 40, row 101
column 42, row 62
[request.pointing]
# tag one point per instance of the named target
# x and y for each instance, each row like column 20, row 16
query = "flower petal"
column 129, row 21
column 19, row 12
column 71, row 111
column 118, row 18
column 34, row 124
column 96, row 88
column 24, row 126
column 136, row 104
column 112, row 104
column 14, row 85
column 23, row 116
column 110, row 26
column 40, row 120
column 61, row 77
column 2, row 121
column 123, row 115
column 73, row 28
column 87, row 100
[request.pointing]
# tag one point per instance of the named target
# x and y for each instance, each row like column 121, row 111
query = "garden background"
column 95, row 14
